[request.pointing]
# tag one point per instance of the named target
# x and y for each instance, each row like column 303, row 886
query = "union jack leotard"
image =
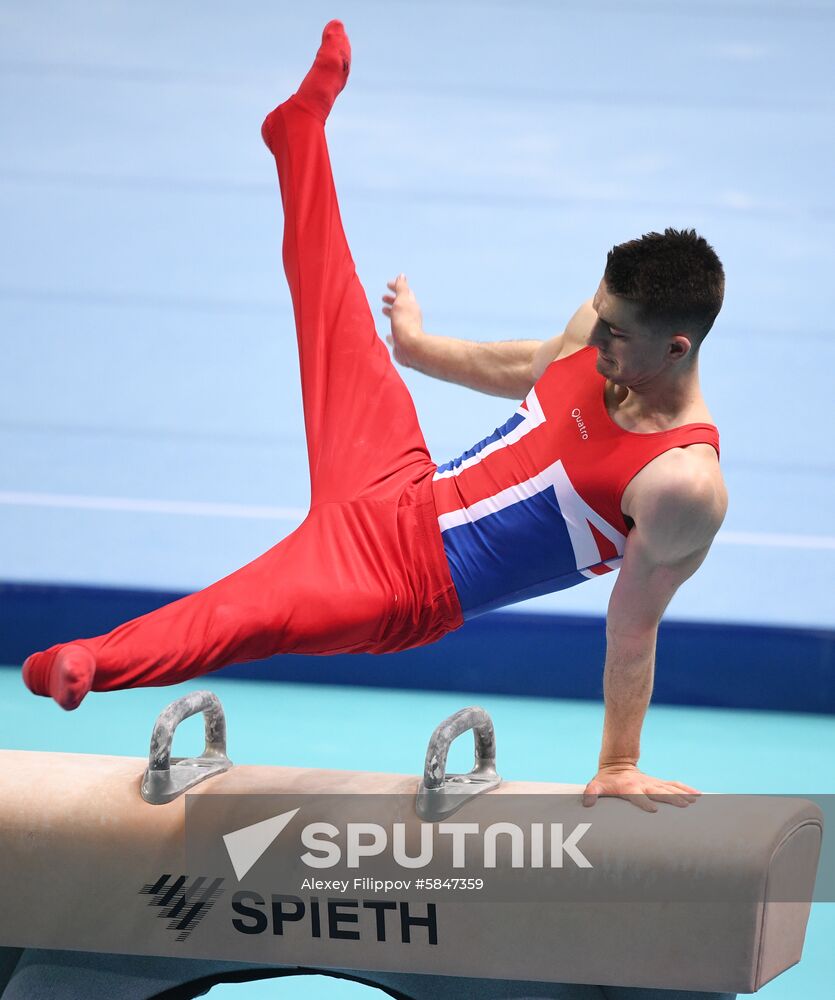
column 536, row 506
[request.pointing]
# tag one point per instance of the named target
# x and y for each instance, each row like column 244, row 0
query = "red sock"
column 66, row 675
column 329, row 72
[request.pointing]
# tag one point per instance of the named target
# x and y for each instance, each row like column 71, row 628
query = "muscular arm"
column 677, row 511
column 503, row 368
column 642, row 591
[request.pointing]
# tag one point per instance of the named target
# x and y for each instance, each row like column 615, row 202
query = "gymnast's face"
column 629, row 352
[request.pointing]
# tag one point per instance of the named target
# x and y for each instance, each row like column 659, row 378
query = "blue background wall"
column 150, row 421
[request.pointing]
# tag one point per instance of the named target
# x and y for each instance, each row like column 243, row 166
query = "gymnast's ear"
column 681, row 348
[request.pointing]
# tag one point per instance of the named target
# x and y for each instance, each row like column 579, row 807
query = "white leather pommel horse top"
column 229, row 867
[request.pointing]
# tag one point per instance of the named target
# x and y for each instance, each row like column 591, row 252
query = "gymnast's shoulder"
column 574, row 337
column 679, row 499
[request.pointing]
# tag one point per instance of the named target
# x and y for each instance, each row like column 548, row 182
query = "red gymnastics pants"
column 366, row 570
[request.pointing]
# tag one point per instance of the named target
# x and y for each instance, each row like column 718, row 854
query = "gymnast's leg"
column 325, row 588
column 360, row 420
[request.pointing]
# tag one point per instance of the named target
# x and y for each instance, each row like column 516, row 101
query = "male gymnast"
column 610, row 462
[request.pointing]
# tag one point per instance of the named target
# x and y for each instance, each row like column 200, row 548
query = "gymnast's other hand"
column 406, row 322
column 625, row 781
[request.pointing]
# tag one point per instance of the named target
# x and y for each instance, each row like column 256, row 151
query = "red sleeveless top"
column 536, row 506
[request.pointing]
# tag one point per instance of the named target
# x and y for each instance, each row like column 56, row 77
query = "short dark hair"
column 677, row 279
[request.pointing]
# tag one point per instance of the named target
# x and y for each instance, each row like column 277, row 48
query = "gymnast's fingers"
column 643, row 802
column 671, row 798
column 685, row 788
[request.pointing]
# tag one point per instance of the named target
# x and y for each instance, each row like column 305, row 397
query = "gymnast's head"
column 657, row 300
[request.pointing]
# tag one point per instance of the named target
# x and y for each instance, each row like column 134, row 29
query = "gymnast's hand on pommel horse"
column 609, row 463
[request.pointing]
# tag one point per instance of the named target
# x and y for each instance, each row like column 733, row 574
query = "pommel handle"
column 441, row 794
column 164, row 778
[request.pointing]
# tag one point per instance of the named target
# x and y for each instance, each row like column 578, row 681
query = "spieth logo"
column 182, row 903
column 368, row 840
column 578, row 416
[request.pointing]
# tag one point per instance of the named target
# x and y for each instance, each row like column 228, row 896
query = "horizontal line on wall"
column 776, row 540
column 200, row 508
column 742, row 204
column 189, row 508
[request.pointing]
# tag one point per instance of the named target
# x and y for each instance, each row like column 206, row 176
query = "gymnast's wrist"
column 620, row 762
column 405, row 339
